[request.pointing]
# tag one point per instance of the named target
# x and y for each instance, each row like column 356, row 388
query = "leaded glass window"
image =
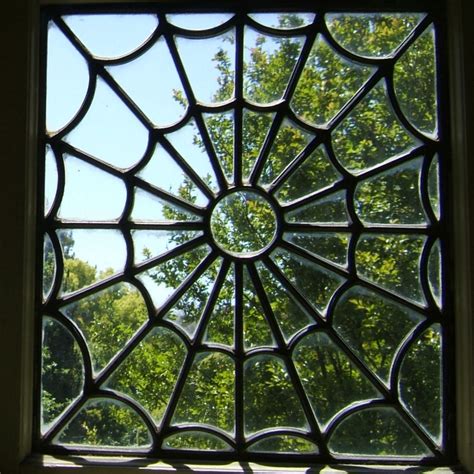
column 242, row 230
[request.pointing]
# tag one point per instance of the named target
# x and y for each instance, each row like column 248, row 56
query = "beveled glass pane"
column 209, row 63
column 371, row 134
column 108, row 319
column 378, row 34
column 270, row 399
column 373, row 327
column 263, row 82
column 435, row 272
column 50, row 179
column 289, row 142
column 433, row 187
column 284, row 444
column 90, row 194
column 198, row 21
column 62, row 371
column 109, row 131
column 208, row 395
column 376, row 432
column 103, row 34
column 414, row 79
column 331, row 381
column 67, row 80
column 106, row 423
column 49, row 266
column 195, row 441
column 153, row 83
column 149, row 374
column 283, row 21
column 393, row 262
column 327, row 82
column 314, row 174
column 421, row 382
column 392, row 197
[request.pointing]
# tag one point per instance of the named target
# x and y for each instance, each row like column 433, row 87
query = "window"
column 250, row 261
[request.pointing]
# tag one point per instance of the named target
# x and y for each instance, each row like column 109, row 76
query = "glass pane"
column 270, row 399
column 433, row 187
column 106, row 423
column 373, row 327
column 284, row 444
column 109, row 131
column 198, row 21
column 378, row 34
column 263, row 81
column 50, row 179
column 283, row 21
column 331, row 380
column 196, row 441
column 327, row 82
column 149, row 374
column 435, row 272
column 62, row 371
column 108, row 319
column 49, row 266
column 208, row 395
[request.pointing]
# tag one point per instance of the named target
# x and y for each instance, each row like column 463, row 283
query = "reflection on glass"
column 263, row 83
column 376, row 432
column 270, row 399
column 106, row 422
column 108, row 319
column 153, row 83
column 283, row 21
column 109, row 131
column 49, row 266
column 284, row 444
column 371, row 134
column 209, row 64
column 373, row 327
column 393, row 262
column 433, row 187
column 149, row 373
column 195, row 441
column 420, row 381
column 378, row 34
column 392, row 197
column 61, row 357
column 414, row 78
column 330, row 379
column 50, row 179
column 327, row 82
column 435, row 272
column 90, row 194
column 103, row 34
column 198, row 21
column 208, row 395
column 67, row 80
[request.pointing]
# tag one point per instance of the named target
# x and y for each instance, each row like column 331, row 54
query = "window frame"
column 20, row 94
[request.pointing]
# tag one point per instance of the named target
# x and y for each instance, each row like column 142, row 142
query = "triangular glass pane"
column 316, row 283
column 108, row 319
column 283, row 21
column 220, row 127
column 414, row 79
column 62, row 371
column 371, row 134
column 315, row 173
column 289, row 142
column 49, row 266
column 332, row 246
column 378, row 34
column 332, row 382
column 270, row 400
column 208, row 395
column 421, row 383
column 195, row 441
column 393, row 262
column 257, row 332
column 188, row 310
column 284, row 444
column 330, row 209
column 376, row 432
column 50, row 179
column 433, row 186
column 64, row 66
column 152, row 82
column 373, row 327
column 109, row 131
column 290, row 316
column 84, row 200
column 435, row 272
column 149, row 373
column 392, row 197
column 105, row 423
column 268, row 63
column 198, row 21
column 327, row 83
column 103, row 34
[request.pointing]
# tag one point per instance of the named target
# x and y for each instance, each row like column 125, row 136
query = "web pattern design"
column 242, row 236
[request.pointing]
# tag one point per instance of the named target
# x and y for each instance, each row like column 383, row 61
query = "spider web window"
column 242, row 236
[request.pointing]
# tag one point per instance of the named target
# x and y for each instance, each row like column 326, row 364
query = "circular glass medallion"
column 243, row 223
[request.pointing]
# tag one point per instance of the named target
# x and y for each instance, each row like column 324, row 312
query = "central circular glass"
column 243, row 223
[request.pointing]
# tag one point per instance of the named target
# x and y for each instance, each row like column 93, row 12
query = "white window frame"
column 19, row 53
